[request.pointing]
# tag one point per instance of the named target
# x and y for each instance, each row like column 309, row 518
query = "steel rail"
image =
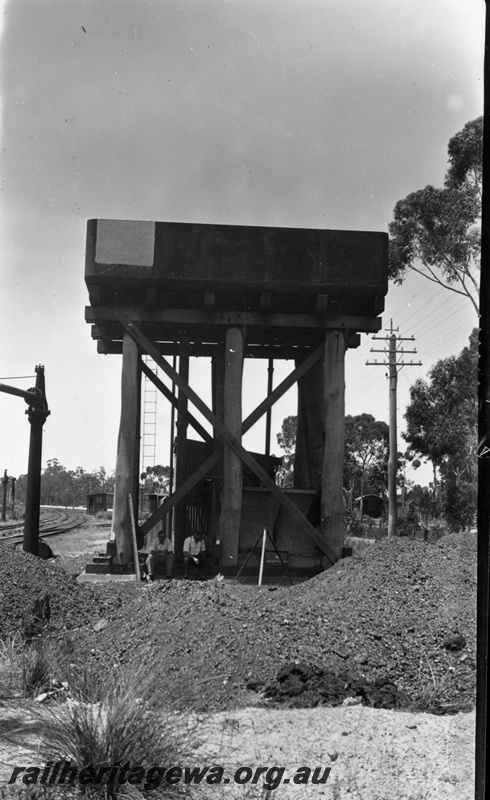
column 48, row 529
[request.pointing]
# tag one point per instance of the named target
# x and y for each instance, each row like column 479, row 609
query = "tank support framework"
column 147, row 303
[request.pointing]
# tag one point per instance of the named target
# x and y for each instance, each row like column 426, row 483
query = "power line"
column 451, row 306
column 17, row 377
column 406, row 302
column 450, row 334
column 430, row 299
column 436, row 322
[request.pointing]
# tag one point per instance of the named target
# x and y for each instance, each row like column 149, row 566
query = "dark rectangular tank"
column 177, row 256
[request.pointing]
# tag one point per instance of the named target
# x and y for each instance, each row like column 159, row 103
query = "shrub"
column 353, row 524
column 409, row 525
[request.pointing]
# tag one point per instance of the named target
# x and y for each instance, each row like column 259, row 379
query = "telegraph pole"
column 394, row 364
column 393, row 379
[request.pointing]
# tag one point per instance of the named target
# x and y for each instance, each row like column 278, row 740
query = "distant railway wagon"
column 100, row 501
column 372, row 505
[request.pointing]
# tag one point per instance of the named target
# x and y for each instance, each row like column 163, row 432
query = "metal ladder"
column 149, row 433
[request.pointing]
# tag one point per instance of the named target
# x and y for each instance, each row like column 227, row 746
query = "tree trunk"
column 434, row 481
column 180, row 513
column 231, row 502
column 334, row 426
column 361, row 502
column 217, row 381
column 128, row 450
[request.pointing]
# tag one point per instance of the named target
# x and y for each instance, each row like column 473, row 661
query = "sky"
column 304, row 113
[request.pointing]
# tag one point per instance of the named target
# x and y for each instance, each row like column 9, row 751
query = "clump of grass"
column 117, row 722
column 431, row 696
column 10, row 661
column 27, row 669
column 37, row 667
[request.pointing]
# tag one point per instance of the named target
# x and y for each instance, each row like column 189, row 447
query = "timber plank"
column 108, row 346
column 213, row 317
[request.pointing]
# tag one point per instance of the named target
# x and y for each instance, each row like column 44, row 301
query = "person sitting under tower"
column 194, row 552
column 161, row 552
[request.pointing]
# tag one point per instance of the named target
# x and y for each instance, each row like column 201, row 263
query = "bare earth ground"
column 373, row 754
column 77, row 549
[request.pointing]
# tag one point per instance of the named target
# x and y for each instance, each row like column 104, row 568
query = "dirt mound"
column 388, row 614
column 24, row 579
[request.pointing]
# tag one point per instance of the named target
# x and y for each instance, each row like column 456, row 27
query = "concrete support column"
column 231, row 502
column 128, row 450
column 334, row 427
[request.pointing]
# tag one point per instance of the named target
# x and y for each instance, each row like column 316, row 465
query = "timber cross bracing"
column 227, row 437
column 231, row 293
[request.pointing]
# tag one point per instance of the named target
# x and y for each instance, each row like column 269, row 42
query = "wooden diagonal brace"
column 173, row 400
column 283, row 387
column 213, row 459
column 223, row 432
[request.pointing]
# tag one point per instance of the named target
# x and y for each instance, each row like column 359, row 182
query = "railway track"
column 52, row 522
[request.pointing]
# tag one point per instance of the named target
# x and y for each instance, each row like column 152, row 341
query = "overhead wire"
column 438, row 320
column 433, row 322
column 430, row 299
column 398, row 311
column 425, row 287
column 363, row 384
column 456, row 333
column 17, row 377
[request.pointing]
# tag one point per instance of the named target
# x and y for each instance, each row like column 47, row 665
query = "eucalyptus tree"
column 442, row 427
column 436, row 232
